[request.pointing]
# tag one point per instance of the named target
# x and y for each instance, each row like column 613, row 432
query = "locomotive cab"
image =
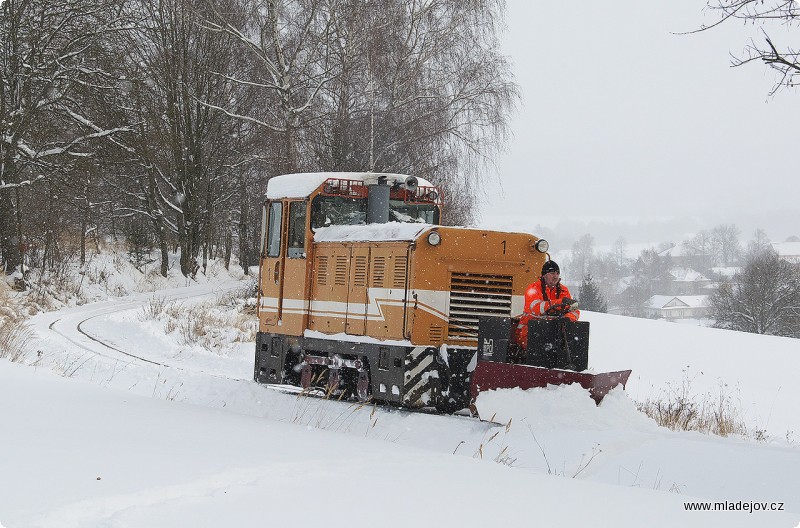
column 300, row 205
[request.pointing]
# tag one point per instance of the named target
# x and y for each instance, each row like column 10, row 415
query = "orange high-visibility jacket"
column 538, row 299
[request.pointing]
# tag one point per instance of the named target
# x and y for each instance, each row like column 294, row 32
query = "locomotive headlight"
column 541, row 245
column 434, row 238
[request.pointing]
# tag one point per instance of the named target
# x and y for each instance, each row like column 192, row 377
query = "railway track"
column 75, row 326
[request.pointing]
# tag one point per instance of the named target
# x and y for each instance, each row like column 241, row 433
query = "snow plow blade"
column 491, row 375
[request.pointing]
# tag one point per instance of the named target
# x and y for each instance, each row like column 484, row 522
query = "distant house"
column 789, row 250
column 684, row 255
column 688, row 281
column 673, row 307
column 726, row 272
column 682, row 281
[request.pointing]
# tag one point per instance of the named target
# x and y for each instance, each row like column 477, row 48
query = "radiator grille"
column 399, row 279
column 360, row 271
column 473, row 295
column 340, row 270
column 378, row 271
column 435, row 334
column 322, row 270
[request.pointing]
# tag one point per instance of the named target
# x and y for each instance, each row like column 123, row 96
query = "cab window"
column 345, row 210
column 338, row 210
column 297, row 230
column 413, row 213
column 274, row 229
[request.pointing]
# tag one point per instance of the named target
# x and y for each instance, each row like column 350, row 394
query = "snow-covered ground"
column 114, row 422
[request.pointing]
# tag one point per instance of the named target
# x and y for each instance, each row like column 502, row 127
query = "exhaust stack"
column 378, row 202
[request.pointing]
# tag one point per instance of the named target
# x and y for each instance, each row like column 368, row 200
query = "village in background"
column 673, row 281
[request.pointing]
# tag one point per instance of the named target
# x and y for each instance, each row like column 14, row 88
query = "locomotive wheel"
column 305, row 376
column 362, row 386
column 292, row 369
column 334, row 380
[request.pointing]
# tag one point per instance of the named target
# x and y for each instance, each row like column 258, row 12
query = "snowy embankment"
column 181, row 436
column 758, row 373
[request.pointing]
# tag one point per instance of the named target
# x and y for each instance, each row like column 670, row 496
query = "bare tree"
column 620, row 252
column 772, row 17
column 760, row 243
column 727, row 248
column 763, row 299
column 582, row 255
column 287, row 42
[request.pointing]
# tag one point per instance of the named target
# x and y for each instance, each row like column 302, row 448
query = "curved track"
column 70, row 324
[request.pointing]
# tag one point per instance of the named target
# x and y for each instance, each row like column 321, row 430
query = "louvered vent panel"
column 378, row 271
column 473, row 295
column 360, row 271
column 435, row 334
column 322, row 270
column 340, row 272
column 399, row 278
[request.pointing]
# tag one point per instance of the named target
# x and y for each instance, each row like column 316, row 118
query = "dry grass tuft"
column 211, row 325
column 153, row 309
column 681, row 410
column 14, row 335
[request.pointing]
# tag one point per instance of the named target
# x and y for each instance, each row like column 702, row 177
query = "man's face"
column 551, row 278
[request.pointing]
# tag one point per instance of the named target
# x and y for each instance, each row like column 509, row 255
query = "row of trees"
column 162, row 120
column 762, row 296
column 710, row 248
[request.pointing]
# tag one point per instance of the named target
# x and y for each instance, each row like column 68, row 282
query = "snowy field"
column 113, row 422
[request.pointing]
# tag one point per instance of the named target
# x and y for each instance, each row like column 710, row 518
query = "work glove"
column 562, row 307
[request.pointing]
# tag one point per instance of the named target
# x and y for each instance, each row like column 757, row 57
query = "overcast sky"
column 623, row 119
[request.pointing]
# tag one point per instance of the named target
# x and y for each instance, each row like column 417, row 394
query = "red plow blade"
column 490, row 375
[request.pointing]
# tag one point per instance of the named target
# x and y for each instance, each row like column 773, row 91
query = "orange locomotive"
column 362, row 290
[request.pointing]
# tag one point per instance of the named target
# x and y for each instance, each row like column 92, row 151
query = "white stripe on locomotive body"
column 294, row 305
column 432, row 301
column 435, row 302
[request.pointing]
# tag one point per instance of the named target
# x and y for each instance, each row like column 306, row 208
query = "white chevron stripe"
column 420, row 386
column 423, row 365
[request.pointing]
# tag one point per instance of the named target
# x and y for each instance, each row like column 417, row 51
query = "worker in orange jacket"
column 544, row 298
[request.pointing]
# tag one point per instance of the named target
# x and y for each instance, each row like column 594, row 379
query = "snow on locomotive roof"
column 303, row 184
column 370, row 232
